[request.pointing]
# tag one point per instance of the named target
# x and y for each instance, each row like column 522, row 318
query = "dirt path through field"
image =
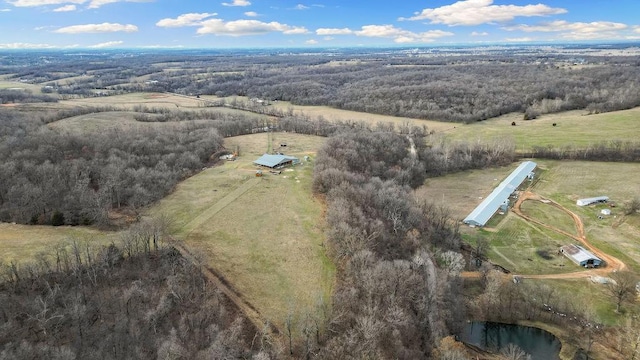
column 250, row 312
column 218, row 206
column 613, row 263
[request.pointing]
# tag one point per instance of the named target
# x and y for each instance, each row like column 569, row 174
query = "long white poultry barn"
column 500, row 195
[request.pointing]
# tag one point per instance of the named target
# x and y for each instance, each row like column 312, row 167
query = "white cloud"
column 106, row 44
column 97, row 28
column 161, row 47
column 33, row 3
column 332, row 31
column 301, row 7
column 328, row 38
column 636, row 28
column 521, row 39
column 94, row 4
column 251, row 14
column 400, row 35
column 475, row 33
column 476, row 12
column 311, row 42
column 237, row 3
column 191, row 19
column 5, row 10
column 247, row 27
column 26, row 46
column 576, row 30
column 65, row 8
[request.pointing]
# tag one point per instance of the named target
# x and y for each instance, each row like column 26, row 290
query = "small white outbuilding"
column 605, row 212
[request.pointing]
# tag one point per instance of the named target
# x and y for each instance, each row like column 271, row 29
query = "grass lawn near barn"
column 263, row 234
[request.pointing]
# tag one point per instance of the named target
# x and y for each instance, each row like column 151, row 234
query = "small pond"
column 490, row 336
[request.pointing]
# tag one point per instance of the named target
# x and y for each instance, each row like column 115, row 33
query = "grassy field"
column 573, row 128
column 159, row 100
column 21, row 243
column 263, row 234
column 8, row 84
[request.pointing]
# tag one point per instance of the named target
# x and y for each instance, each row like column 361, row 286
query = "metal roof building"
column 580, row 255
column 500, row 195
column 273, row 161
column 593, row 200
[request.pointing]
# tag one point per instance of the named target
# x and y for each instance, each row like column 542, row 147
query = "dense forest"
column 55, row 177
column 79, row 302
column 391, row 301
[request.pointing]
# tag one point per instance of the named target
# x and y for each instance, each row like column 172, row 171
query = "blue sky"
column 313, row 23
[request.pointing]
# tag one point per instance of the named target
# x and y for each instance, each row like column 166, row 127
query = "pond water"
column 490, row 336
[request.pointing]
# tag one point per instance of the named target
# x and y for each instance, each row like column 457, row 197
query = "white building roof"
column 483, row 212
column 578, row 253
column 588, row 201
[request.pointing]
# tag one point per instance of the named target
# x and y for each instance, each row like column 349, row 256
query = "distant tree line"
column 457, row 93
column 9, row 96
column 80, row 302
column 612, row 150
column 391, row 300
column 447, row 88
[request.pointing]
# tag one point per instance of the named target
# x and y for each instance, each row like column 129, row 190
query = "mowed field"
column 16, row 85
column 527, row 248
column 262, row 234
column 572, row 128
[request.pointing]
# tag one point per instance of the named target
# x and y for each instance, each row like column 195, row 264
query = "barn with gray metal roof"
column 273, row 161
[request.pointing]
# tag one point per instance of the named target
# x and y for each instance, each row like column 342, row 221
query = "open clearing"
column 160, row 100
column 16, row 85
column 573, row 128
column 264, row 235
column 21, row 243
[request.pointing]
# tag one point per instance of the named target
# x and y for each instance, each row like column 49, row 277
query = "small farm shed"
column 580, row 255
column 606, row 212
column 593, row 200
column 273, row 161
column 499, row 198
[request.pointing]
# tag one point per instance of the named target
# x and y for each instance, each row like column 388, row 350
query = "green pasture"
column 573, row 128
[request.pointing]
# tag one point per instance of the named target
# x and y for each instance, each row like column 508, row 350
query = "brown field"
column 160, row 100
